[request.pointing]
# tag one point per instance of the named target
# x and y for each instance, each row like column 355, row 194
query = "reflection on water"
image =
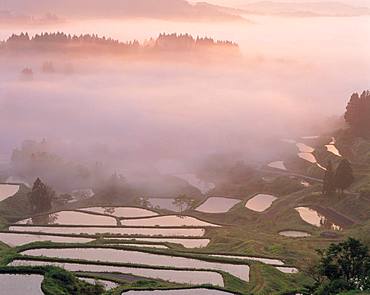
column 177, row 292
column 13, row 239
column 217, row 205
column 333, row 149
column 70, row 218
column 163, row 203
column 165, row 232
column 106, row 284
column 278, row 165
column 163, row 221
column 294, row 234
column 21, row 284
column 313, row 217
column 187, row 243
column 288, row 270
column 176, row 276
column 269, row 261
column 136, row 257
column 303, row 148
column 260, row 203
column 8, row 190
column 122, row 212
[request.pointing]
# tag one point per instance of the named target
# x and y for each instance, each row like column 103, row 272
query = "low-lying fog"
column 294, row 74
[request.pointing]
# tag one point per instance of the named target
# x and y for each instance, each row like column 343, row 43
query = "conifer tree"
column 344, row 176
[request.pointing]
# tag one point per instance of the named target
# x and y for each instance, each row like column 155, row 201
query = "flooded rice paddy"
column 303, row 148
column 122, row 212
column 14, row 239
column 140, row 258
column 294, row 234
column 163, row 203
column 177, row 292
column 21, row 284
column 217, row 205
column 106, row 284
column 187, row 243
column 70, row 218
column 176, row 276
column 278, row 165
column 286, row 269
column 165, row 232
column 313, row 217
column 8, row 190
column 260, row 202
column 269, row 261
column 168, row 221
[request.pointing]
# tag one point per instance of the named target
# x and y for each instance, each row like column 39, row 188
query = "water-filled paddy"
column 278, row 165
column 294, row 234
column 187, row 243
column 270, row 261
column 193, row 180
column 165, row 232
column 71, row 218
column 170, row 220
column 176, row 276
column 217, row 205
column 260, row 202
column 136, row 257
column 286, row 269
column 14, row 239
column 144, row 245
column 303, row 148
column 164, row 203
column 106, row 284
column 331, row 148
column 21, row 284
column 8, row 190
column 122, row 212
column 177, row 292
column 313, row 217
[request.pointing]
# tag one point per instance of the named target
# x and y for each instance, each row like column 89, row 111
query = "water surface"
column 8, row 190
column 163, row 221
column 217, row 205
column 122, row 212
column 260, row 202
column 106, row 284
column 21, row 284
column 177, row 292
column 164, row 203
column 14, row 239
column 270, row 261
column 315, row 218
column 278, row 165
column 286, row 269
column 294, row 234
column 165, row 232
column 136, row 257
column 176, row 276
column 187, row 243
column 70, row 218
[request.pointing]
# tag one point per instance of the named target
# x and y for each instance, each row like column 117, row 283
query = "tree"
column 183, row 202
column 329, row 180
column 343, row 267
column 343, row 176
column 41, row 196
column 358, row 114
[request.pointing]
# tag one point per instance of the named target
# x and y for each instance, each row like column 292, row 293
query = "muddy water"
column 162, row 221
column 294, row 234
column 313, row 217
column 176, row 276
column 70, row 218
column 217, row 205
column 135, row 257
column 165, row 232
column 260, row 202
column 122, row 212
column 8, row 190
column 20, row 284
column 13, row 239
column 187, row 243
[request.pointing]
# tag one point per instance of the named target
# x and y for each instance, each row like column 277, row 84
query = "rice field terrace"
column 256, row 239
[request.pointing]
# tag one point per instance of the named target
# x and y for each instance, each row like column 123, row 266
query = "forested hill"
column 53, row 42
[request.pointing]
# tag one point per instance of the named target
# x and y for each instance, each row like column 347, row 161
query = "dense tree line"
column 163, row 42
column 358, row 114
column 41, row 197
column 338, row 179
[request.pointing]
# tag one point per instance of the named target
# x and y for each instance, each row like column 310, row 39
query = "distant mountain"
column 163, row 9
column 304, row 9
